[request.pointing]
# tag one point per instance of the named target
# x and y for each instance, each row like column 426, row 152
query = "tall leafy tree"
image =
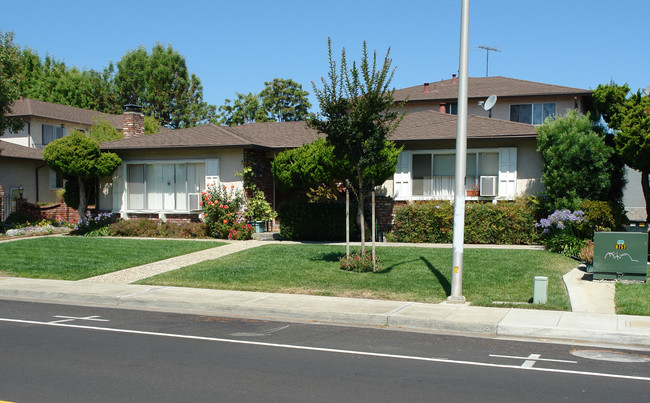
column 576, row 161
column 161, row 83
column 79, row 158
column 281, row 100
column 10, row 78
column 357, row 115
column 628, row 114
column 284, row 100
column 242, row 110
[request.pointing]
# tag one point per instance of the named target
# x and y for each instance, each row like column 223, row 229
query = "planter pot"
column 472, row 193
column 258, row 226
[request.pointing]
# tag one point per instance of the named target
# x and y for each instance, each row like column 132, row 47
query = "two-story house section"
column 46, row 122
column 517, row 100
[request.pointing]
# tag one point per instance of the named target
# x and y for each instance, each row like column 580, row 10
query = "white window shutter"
column 508, row 172
column 52, row 179
column 212, row 172
column 402, row 177
column 118, row 187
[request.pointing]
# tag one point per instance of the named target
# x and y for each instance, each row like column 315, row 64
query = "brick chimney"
column 132, row 121
column 454, row 80
column 442, row 108
column 426, row 87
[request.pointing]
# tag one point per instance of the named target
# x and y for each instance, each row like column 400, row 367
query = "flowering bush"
column 221, row 205
column 98, row 223
column 561, row 232
column 360, row 262
column 241, row 231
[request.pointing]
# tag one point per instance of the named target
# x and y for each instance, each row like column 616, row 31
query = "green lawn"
column 74, row 258
column 410, row 274
column 633, row 299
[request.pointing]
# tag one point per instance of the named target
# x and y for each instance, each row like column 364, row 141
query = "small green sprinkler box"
column 621, row 255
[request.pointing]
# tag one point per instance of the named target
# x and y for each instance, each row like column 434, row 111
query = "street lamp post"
column 456, row 296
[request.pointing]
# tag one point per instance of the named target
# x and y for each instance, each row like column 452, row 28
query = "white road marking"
column 72, row 318
column 533, row 357
column 325, row 350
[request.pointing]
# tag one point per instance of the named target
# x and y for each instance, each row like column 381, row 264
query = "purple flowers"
column 560, row 219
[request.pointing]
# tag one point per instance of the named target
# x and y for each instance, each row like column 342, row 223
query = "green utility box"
column 621, row 255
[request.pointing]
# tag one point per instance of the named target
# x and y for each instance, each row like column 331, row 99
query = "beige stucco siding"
column 22, row 172
column 31, row 134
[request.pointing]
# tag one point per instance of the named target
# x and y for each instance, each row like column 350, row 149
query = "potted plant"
column 259, row 211
column 473, row 191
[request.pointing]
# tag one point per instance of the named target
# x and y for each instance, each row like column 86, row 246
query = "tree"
column 10, row 78
column 244, row 109
column 162, row 85
column 284, row 100
column 357, row 116
column 281, row 100
column 629, row 116
column 79, row 158
column 576, row 161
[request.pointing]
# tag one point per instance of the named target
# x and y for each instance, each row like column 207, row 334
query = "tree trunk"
column 645, row 185
column 83, row 203
column 362, row 223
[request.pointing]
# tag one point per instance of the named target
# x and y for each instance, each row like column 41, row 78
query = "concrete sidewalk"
column 577, row 327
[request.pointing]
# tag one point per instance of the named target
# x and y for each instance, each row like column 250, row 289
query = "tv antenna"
column 488, row 104
column 488, row 49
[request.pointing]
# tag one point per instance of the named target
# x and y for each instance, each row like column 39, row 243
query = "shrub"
column 501, row 223
column 241, row 231
column 220, row 208
column 360, row 262
column 148, row 228
column 94, row 224
column 17, row 218
column 587, row 253
column 258, row 209
column 315, row 221
column 602, row 216
column 561, row 232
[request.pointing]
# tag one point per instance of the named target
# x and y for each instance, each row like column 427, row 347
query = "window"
column 56, row 179
column 451, row 108
column 164, row 186
column 51, row 133
column 532, row 113
column 433, row 172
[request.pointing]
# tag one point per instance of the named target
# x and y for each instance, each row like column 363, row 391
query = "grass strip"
column 632, row 299
column 409, row 274
column 74, row 258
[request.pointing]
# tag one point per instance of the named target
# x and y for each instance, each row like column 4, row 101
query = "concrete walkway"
column 114, row 290
column 587, row 295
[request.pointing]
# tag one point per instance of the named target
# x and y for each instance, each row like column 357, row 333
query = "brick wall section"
column 261, row 172
column 55, row 211
column 383, row 212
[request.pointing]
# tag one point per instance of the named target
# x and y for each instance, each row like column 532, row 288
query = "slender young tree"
column 357, row 115
column 10, row 77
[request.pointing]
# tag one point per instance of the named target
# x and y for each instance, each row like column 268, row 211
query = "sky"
column 236, row 46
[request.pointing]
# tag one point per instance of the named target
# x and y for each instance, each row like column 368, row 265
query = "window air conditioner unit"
column 488, row 186
column 194, row 199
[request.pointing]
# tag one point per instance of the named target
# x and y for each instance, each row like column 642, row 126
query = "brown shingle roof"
column 431, row 125
column 11, row 150
column 483, row 87
column 32, row 107
column 424, row 125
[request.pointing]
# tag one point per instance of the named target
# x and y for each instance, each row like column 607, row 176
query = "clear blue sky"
column 235, row 46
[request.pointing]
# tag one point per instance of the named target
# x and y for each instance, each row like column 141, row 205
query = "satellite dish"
column 489, row 103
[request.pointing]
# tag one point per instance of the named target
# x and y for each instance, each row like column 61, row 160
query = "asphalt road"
column 60, row 353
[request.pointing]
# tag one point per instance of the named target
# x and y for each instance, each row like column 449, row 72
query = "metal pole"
column 456, row 296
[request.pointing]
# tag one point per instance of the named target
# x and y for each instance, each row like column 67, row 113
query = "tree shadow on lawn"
column 441, row 278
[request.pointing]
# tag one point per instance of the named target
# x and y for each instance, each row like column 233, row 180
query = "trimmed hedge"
column 507, row 223
column 300, row 221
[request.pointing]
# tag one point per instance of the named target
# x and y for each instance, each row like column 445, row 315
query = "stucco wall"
column 633, row 196
column 17, row 172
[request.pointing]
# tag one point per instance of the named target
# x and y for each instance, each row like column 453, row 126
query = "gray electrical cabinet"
column 621, row 255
